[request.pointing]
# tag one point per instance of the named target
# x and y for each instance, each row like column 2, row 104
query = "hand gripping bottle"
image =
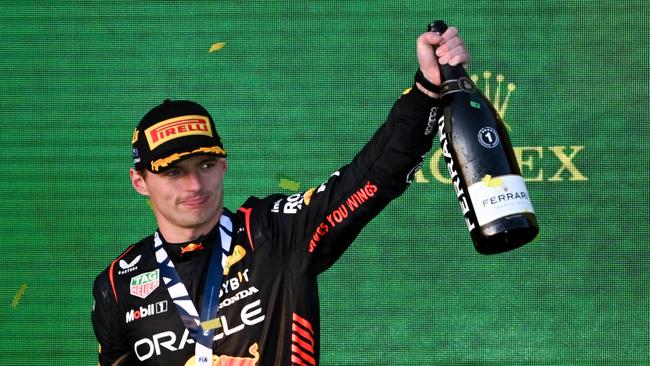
column 482, row 164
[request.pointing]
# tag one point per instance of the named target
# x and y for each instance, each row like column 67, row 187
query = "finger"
column 454, row 60
column 452, row 53
column 429, row 39
column 450, row 44
column 450, row 33
column 463, row 59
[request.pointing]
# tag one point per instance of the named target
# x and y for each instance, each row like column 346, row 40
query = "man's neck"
column 176, row 234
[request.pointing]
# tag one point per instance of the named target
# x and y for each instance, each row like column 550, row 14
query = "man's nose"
column 193, row 181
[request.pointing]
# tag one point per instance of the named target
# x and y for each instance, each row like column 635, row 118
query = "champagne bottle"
column 482, row 164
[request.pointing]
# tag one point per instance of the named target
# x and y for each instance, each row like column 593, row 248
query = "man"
column 215, row 287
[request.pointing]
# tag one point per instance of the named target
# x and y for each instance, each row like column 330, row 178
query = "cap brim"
column 162, row 164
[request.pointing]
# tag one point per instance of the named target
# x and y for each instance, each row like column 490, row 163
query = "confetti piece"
column 492, row 182
column 289, row 184
column 211, row 324
column 217, row 46
column 19, row 294
column 307, row 196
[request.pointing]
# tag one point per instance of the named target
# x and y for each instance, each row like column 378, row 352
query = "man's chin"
column 196, row 220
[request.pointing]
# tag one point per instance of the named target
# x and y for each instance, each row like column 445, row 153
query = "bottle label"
column 488, row 137
column 497, row 197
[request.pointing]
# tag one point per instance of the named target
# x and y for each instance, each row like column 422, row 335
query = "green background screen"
column 297, row 90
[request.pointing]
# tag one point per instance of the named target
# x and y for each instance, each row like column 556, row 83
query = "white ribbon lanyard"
column 204, row 338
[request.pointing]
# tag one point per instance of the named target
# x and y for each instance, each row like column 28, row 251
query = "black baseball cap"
column 173, row 131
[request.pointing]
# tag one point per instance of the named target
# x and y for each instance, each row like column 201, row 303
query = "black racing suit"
column 268, row 307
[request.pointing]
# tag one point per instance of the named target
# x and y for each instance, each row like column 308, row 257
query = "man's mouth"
column 195, row 202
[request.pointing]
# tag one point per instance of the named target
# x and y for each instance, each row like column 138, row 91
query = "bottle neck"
column 452, row 72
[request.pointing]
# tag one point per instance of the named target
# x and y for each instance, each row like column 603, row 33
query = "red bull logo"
column 231, row 360
column 176, row 127
column 192, row 247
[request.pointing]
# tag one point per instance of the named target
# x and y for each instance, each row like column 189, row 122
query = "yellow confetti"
column 492, row 182
column 211, row 324
column 217, row 46
column 149, row 204
column 308, row 195
column 19, row 294
column 289, row 184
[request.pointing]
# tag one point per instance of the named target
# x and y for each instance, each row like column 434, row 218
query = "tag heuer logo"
column 143, row 284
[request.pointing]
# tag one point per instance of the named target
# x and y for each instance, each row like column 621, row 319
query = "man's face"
column 187, row 197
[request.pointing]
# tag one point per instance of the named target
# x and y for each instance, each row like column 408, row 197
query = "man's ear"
column 137, row 180
column 224, row 164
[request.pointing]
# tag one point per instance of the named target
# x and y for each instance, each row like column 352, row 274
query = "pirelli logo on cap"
column 176, row 127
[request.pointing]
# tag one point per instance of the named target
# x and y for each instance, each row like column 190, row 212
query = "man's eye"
column 172, row 173
column 208, row 165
